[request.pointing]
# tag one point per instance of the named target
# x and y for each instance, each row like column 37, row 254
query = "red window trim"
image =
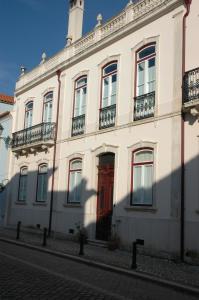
column 69, row 172
column 139, row 164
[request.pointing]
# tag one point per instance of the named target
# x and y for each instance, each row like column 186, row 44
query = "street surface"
column 29, row 274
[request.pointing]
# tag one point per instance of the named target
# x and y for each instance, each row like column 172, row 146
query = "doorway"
column 105, row 196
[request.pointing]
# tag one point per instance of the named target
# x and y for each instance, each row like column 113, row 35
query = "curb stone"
column 130, row 273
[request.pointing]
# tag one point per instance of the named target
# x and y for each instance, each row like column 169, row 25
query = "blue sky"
column 30, row 27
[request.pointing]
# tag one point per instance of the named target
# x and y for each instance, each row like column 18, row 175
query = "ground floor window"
column 75, row 181
column 42, row 183
column 142, row 177
column 22, row 196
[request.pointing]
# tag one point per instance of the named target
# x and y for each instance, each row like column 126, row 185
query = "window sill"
column 72, row 205
column 141, row 208
column 21, row 203
column 39, row 204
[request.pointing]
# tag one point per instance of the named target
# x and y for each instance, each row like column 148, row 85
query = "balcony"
column 107, row 117
column 144, row 106
column 191, row 92
column 78, row 125
column 32, row 139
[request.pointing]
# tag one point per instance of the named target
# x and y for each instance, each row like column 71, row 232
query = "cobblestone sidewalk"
column 161, row 268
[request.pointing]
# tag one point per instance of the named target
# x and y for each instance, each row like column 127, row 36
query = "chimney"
column 75, row 21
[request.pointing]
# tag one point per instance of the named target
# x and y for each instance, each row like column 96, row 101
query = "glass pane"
column 43, row 169
column 143, row 156
column 151, row 75
column 140, row 79
column 76, row 165
column 82, row 81
column 105, row 92
column 148, row 183
column 110, row 68
column 24, row 171
column 137, row 184
column 22, row 188
column 77, row 103
column 146, row 52
column 29, row 105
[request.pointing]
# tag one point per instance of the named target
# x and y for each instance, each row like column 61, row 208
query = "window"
column 42, row 183
column 145, row 82
column 79, row 109
column 109, row 93
column 146, row 70
column 142, row 177
column 28, row 115
column 75, row 181
column 22, row 195
column 47, row 109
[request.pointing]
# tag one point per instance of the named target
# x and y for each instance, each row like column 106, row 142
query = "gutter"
column 187, row 4
column 54, row 154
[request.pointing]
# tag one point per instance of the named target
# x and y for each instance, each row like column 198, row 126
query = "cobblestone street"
column 28, row 274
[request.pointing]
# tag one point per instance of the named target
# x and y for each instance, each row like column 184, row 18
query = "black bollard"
column 81, row 244
column 134, row 255
column 45, row 237
column 18, row 230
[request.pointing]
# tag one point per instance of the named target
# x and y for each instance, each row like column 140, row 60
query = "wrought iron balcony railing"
column 144, row 106
column 39, row 133
column 191, row 85
column 107, row 116
column 78, row 125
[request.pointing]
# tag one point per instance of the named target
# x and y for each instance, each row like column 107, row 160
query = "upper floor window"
column 28, row 115
column 145, row 82
column 22, row 194
column 75, row 181
column 47, row 108
column 42, row 183
column 142, row 177
column 109, row 93
column 79, row 109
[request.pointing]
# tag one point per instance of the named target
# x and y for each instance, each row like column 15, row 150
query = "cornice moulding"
column 128, row 21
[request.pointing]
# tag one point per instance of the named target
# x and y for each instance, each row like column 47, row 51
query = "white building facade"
column 104, row 135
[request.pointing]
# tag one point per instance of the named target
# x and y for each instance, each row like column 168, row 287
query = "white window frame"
column 145, row 60
column 23, row 177
column 109, row 76
column 42, row 174
column 143, row 165
column 48, row 102
column 70, row 174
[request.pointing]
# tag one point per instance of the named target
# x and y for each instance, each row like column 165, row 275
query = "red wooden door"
column 104, row 202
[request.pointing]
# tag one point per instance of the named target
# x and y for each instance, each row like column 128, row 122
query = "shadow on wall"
column 158, row 225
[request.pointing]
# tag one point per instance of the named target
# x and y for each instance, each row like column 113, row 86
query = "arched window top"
column 29, row 105
column 146, row 51
column 76, row 164
column 43, row 169
column 143, row 156
column 24, row 171
column 110, row 68
column 48, row 97
column 80, row 82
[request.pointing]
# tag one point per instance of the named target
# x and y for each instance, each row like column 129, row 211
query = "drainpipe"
column 187, row 4
column 54, row 154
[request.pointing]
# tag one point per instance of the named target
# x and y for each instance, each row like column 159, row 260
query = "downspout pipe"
column 54, row 155
column 187, row 4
